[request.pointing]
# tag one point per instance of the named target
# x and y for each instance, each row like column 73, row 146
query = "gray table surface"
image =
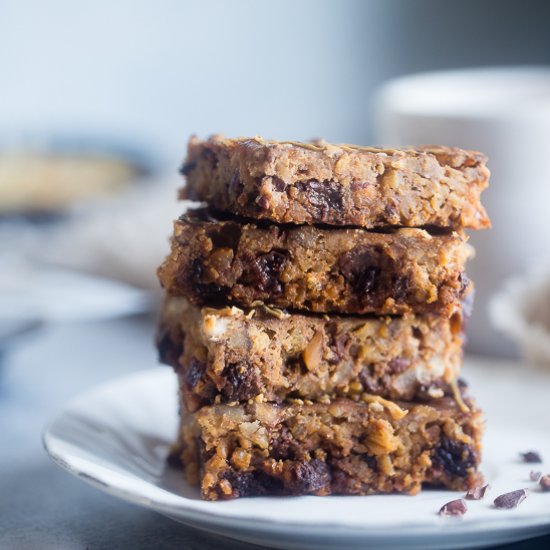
column 43, row 507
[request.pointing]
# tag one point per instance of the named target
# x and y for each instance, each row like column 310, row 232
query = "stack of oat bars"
column 314, row 315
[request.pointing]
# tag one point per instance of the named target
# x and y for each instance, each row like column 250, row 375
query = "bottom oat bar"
column 227, row 354
column 336, row 446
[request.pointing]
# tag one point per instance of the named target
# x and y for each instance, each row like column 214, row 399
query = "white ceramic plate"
column 117, row 436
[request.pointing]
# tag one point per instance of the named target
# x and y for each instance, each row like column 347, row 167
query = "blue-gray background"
column 152, row 73
column 155, row 71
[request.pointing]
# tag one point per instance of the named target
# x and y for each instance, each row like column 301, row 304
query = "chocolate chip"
column 534, row 476
column 544, row 483
column 241, row 382
column 531, row 457
column 454, row 508
column 454, row 457
column 308, row 477
column 194, row 372
column 477, row 493
column 511, row 500
column 323, row 197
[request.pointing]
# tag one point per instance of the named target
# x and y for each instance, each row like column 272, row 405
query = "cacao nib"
column 454, row 508
column 535, row 476
column 455, row 458
column 531, row 457
column 544, row 483
column 507, row 501
column 477, row 493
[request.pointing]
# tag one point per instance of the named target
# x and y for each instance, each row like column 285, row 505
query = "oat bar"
column 218, row 261
column 292, row 182
column 228, row 354
column 338, row 446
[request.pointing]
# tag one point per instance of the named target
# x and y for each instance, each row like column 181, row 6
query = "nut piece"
column 545, row 483
column 531, row 457
column 313, row 353
column 534, row 476
column 507, row 501
column 454, row 508
column 477, row 493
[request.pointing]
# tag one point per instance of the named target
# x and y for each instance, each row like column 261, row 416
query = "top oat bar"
column 344, row 185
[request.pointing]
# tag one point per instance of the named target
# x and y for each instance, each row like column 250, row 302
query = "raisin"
column 284, row 447
column 278, row 184
column 225, row 236
column 368, row 378
column 361, row 270
column 401, row 288
column 187, row 168
column 339, row 342
column 195, row 372
column 169, row 351
column 210, row 293
column 370, row 460
column 241, row 382
column 453, row 457
column 265, row 269
column 307, row 477
column 324, row 198
column 236, row 186
column 398, row 364
column 251, row 484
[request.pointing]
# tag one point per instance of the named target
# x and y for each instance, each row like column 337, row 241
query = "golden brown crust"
column 292, row 182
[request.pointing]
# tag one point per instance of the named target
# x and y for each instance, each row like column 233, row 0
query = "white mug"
column 505, row 113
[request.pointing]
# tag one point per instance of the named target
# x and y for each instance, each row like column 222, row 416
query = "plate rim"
column 450, row 526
